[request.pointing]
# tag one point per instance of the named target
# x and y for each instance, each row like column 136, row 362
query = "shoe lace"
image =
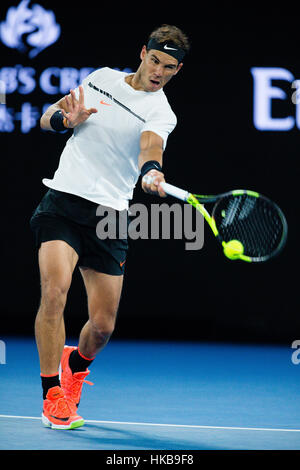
column 77, row 384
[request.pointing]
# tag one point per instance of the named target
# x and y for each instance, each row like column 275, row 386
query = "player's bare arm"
column 73, row 110
column 151, row 149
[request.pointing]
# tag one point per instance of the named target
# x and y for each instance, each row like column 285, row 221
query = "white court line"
column 195, row 426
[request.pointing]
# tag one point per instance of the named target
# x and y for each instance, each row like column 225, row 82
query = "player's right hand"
column 151, row 183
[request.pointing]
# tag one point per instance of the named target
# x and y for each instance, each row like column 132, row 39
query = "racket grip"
column 169, row 188
column 174, row 191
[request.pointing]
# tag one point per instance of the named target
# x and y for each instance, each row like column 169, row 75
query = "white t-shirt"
column 100, row 159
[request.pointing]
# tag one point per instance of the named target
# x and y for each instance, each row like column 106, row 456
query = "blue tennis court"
column 161, row 395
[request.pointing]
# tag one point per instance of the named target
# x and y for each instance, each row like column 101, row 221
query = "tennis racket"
column 248, row 225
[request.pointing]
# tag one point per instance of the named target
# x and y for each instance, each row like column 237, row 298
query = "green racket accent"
column 239, row 192
column 252, row 193
column 210, row 220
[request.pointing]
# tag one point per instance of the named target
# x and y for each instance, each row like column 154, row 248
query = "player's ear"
column 178, row 68
column 143, row 53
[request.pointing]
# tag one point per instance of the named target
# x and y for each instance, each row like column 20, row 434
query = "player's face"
column 157, row 69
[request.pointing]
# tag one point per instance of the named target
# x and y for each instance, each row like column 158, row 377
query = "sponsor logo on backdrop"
column 30, row 30
column 265, row 92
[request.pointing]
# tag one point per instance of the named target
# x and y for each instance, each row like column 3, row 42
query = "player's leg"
column 57, row 261
column 102, row 266
column 103, row 292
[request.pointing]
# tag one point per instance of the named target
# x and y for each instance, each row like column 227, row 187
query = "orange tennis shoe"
column 72, row 383
column 58, row 412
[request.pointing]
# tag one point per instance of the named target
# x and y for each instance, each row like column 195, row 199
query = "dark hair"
column 168, row 32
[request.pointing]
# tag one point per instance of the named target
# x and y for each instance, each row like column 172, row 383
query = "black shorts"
column 63, row 216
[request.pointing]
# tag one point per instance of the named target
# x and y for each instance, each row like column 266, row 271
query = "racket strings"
column 253, row 221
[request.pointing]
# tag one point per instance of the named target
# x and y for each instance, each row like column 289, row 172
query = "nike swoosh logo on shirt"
column 103, row 102
column 169, row 48
column 115, row 101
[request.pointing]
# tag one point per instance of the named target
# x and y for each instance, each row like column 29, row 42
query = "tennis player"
column 121, row 123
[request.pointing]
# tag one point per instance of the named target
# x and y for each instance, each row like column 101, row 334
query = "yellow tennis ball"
column 233, row 249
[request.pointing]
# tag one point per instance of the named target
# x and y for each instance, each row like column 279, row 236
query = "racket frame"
column 197, row 201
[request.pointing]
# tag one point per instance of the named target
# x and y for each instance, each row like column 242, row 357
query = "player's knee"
column 104, row 329
column 54, row 297
column 103, row 325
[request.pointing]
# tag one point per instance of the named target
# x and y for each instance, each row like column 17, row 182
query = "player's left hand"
column 76, row 111
column 154, row 187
